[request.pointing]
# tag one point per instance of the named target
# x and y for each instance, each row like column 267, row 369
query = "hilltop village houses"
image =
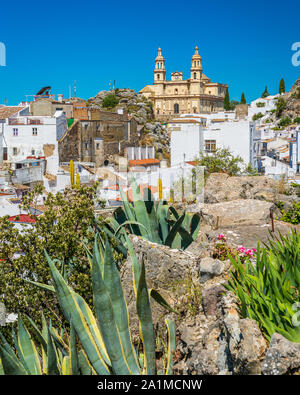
column 39, row 138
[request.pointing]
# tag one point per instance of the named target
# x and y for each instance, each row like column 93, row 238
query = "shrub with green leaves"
column 292, row 215
column 110, row 101
column 220, row 161
column 269, row 290
column 280, row 106
column 257, row 116
column 285, row 121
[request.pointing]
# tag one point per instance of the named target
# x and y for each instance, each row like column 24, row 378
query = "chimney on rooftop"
column 60, row 97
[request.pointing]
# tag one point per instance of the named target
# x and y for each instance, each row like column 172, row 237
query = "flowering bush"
column 222, row 250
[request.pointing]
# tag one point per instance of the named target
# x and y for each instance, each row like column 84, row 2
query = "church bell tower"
column 196, row 69
column 159, row 71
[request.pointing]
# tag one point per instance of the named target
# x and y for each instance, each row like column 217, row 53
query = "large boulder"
column 237, row 212
column 165, row 268
column 229, row 344
column 250, row 235
column 282, row 357
column 220, row 187
column 209, row 268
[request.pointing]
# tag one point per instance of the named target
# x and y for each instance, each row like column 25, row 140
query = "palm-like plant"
column 106, row 342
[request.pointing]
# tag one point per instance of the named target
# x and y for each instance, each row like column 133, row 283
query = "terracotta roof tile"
column 6, row 112
column 22, row 218
column 141, row 162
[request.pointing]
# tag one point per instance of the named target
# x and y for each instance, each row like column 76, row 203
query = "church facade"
column 178, row 96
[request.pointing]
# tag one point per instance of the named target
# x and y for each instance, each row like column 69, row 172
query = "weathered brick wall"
column 79, row 142
column 241, row 111
column 69, row 146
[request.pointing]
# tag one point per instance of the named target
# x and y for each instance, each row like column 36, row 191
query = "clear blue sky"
column 244, row 44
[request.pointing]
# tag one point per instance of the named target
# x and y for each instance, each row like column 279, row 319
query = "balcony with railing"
column 25, row 121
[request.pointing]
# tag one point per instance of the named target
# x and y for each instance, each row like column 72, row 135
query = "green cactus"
column 106, row 342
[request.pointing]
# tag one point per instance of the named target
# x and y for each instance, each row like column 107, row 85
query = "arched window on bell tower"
column 159, row 71
column 196, row 69
column 176, row 108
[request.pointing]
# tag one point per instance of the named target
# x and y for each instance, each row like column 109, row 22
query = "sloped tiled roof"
column 22, row 218
column 142, row 162
column 6, row 112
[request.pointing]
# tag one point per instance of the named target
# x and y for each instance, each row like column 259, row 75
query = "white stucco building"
column 191, row 135
column 33, row 137
column 186, row 139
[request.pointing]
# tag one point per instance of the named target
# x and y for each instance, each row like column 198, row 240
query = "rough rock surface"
column 135, row 103
column 220, row 187
column 209, row 268
column 282, row 357
column 164, row 268
column 228, row 345
column 237, row 212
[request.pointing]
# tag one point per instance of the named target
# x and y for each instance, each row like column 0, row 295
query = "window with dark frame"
column 210, row 145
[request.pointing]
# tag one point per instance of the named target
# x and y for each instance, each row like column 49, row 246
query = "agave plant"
column 107, row 347
column 269, row 291
column 58, row 356
column 156, row 221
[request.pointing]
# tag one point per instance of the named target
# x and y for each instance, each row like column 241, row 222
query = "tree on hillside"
column 243, row 98
column 227, row 105
column 281, row 86
column 280, row 106
column 265, row 93
column 221, row 161
column 110, row 101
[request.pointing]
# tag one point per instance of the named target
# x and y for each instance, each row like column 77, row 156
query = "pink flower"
column 249, row 252
column 241, row 248
column 221, row 236
column 254, row 250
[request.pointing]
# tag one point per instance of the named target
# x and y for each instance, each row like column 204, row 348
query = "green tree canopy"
column 221, row 161
column 110, row 101
column 227, row 105
column 265, row 92
column 243, row 98
column 281, row 86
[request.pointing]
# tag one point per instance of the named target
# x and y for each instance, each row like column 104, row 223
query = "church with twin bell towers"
column 196, row 95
